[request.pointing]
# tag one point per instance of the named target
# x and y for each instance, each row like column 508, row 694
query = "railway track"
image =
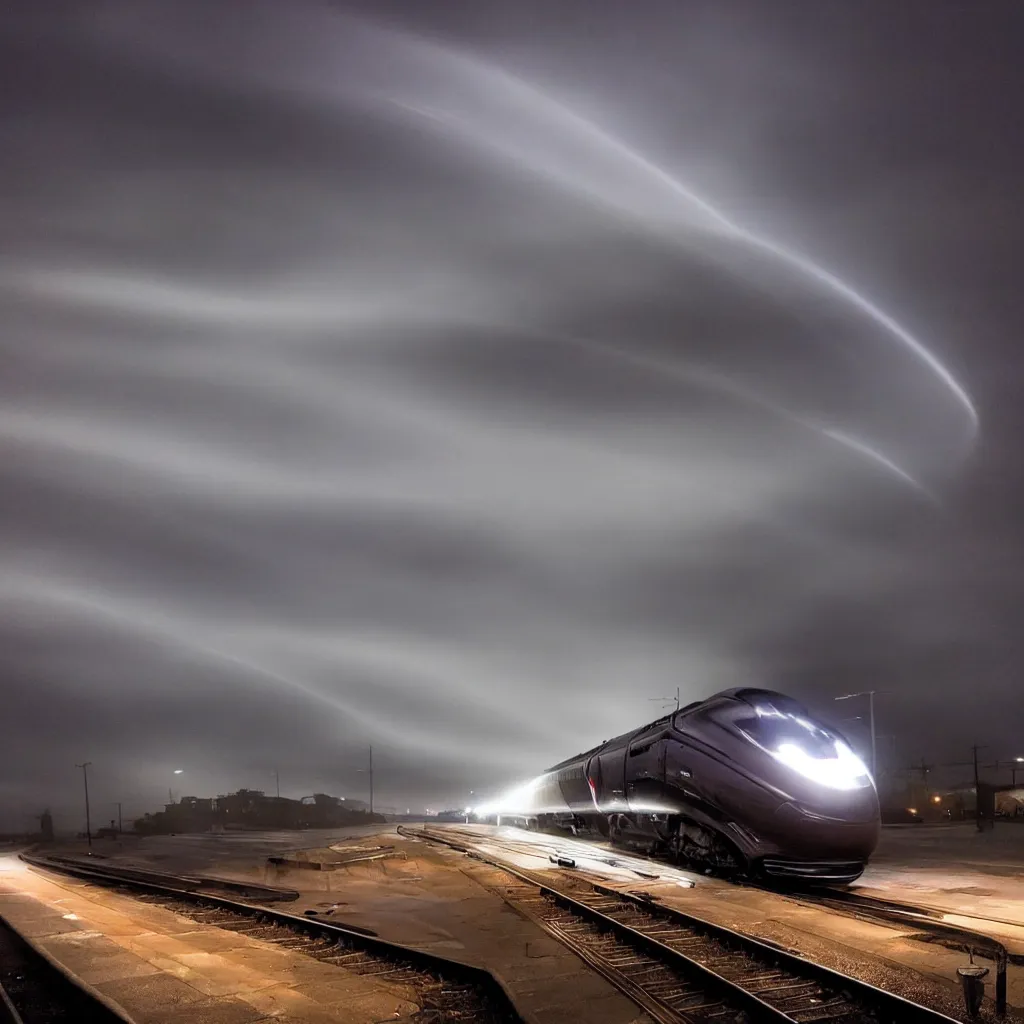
column 679, row 968
column 446, row 990
column 34, row 991
column 929, row 923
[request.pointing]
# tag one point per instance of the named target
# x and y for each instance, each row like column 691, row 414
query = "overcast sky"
column 456, row 378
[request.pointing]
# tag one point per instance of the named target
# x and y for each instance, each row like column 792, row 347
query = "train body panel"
column 745, row 780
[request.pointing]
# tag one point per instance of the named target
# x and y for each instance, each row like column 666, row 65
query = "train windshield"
column 770, row 727
column 783, row 730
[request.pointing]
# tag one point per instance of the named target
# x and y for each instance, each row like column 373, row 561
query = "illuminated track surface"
column 679, row 968
column 930, row 924
column 445, row 989
column 33, row 991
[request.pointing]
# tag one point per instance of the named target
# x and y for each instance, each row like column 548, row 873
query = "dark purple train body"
column 745, row 780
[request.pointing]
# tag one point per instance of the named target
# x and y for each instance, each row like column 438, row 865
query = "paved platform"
column 432, row 901
column 160, row 968
column 976, row 879
column 426, row 900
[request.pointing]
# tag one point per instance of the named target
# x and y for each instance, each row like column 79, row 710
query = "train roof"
column 615, row 740
column 747, row 694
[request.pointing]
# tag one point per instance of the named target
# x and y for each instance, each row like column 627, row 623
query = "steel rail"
column 495, row 1001
column 853, row 993
column 927, row 921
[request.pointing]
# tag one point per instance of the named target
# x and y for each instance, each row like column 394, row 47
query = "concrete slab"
column 976, row 878
column 151, row 997
column 214, row 1011
column 210, row 941
column 97, row 965
column 301, row 1006
column 160, row 967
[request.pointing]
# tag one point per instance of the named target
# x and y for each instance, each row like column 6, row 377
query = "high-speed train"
column 745, row 781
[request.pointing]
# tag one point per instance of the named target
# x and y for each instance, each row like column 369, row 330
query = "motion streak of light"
column 493, row 109
column 871, row 453
column 186, row 636
column 719, row 383
column 484, row 133
column 774, row 248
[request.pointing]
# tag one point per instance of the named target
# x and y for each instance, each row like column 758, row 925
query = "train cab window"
column 772, row 727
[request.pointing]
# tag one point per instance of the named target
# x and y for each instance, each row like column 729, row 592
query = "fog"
column 460, row 385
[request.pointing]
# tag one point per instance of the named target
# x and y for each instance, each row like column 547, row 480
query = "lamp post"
column 170, row 793
column 85, row 779
column 368, row 771
column 870, row 694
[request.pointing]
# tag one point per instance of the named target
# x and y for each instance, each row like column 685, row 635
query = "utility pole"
column 85, row 779
column 870, row 694
column 277, row 777
column 371, row 779
column 889, row 755
column 120, row 830
column 924, row 769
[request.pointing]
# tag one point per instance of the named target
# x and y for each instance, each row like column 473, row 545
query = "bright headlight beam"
column 844, row 771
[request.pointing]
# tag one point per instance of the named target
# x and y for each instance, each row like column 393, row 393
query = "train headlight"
column 843, row 771
column 783, row 730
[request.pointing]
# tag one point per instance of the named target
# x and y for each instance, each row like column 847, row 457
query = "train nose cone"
column 852, row 836
column 819, row 849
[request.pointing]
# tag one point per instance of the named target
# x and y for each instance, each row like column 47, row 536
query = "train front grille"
column 833, row 872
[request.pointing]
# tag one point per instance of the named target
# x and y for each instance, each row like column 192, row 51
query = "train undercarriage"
column 656, row 835
column 687, row 842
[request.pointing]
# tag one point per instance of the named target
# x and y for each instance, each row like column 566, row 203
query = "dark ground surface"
column 421, row 896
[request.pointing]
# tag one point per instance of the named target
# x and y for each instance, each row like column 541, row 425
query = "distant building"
column 962, row 801
column 451, row 816
column 253, row 809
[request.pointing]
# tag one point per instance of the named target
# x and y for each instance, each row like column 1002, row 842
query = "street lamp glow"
column 1020, row 758
column 178, row 771
column 870, row 694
